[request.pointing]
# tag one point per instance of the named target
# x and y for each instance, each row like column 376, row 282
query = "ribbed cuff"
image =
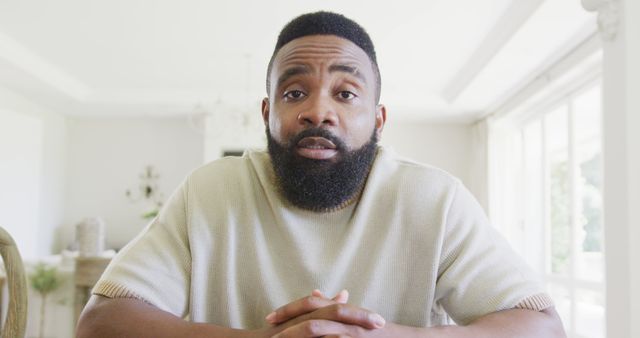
column 113, row 290
column 537, row 302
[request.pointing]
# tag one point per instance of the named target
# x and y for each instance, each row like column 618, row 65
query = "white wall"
column 449, row 146
column 229, row 130
column 443, row 145
column 42, row 212
column 621, row 104
column 106, row 157
column 20, row 175
column 632, row 29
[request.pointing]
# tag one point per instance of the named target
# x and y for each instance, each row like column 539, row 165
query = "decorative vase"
column 90, row 237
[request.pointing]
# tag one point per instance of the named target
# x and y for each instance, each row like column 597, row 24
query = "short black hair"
column 327, row 23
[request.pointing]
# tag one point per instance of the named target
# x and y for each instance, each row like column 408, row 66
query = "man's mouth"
column 317, row 148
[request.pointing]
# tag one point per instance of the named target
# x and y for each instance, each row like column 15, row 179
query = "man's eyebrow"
column 291, row 72
column 302, row 70
column 347, row 69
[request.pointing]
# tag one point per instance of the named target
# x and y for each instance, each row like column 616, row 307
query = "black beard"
column 321, row 185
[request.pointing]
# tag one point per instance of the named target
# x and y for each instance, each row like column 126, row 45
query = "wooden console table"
column 87, row 272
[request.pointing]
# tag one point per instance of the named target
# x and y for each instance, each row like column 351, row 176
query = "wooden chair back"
column 16, row 322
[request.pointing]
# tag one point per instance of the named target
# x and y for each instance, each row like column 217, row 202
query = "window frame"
column 538, row 114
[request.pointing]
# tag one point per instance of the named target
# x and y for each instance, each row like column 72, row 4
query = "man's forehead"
column 330, row 48
column 334, row 53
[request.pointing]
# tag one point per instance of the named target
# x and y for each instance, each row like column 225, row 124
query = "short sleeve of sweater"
column 155, row 266
column 479, row 273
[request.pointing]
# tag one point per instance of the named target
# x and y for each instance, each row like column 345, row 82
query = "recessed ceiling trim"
column 509, row 23
column 552, row 71
column 19, row 56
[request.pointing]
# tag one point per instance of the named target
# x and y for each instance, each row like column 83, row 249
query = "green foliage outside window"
column 560, row 217
column 591, row 220
column 560, row 212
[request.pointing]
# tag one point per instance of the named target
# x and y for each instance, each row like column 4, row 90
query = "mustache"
column 317, row 132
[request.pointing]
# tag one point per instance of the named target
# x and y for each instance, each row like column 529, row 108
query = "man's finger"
column 316, row 328
column 341, row 297
column 297, row 308
column 349, row 314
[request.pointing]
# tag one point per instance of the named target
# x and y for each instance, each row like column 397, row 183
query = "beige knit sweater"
column 415, row 247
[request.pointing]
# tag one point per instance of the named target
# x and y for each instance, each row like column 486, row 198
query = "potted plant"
column 44, row 280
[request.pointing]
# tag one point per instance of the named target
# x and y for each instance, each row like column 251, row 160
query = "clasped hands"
column 320, row 316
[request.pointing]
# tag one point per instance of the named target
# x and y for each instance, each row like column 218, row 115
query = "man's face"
column 327, row 82
column 322, row 120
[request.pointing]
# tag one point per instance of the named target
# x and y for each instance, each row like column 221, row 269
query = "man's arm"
column 308, row 317
column 503, row 324
column 514, row 323
column 124, row 317
column 507, row 324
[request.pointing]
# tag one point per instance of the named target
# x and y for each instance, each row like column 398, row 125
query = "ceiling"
column 451, row 60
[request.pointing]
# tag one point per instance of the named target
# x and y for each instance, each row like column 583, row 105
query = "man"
column 324, row 210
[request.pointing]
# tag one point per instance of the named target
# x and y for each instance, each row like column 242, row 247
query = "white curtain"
column 505, row 176
column 478, row 164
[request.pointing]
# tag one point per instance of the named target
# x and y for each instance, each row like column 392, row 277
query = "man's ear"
column 381, row 119
column 265, row 111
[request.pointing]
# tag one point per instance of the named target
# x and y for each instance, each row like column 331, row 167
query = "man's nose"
column 319, row 112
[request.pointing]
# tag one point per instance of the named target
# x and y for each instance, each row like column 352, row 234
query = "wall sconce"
column 147, row 191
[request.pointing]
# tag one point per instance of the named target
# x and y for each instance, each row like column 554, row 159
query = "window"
column 556, row 205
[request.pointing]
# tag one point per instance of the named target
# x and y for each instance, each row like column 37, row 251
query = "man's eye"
column 346, row 95
column 294, row 94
